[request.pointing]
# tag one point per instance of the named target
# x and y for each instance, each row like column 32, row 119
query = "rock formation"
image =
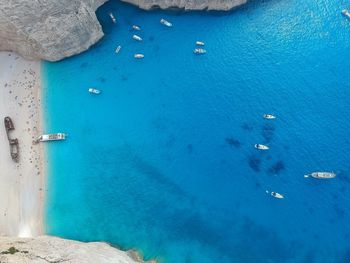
column 187, row 4
column 52, row 249
column 49, row 29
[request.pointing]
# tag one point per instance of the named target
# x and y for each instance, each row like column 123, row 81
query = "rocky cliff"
column 187, row 4
column 55, row 29
column 52, row 249
column 49, row 29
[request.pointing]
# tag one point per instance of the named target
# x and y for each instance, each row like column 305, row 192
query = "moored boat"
column 166, row 23
column 346, row 13
column 200, row 43
column 114, row 20
column 276, row 195
column 94, row 91
column 261, row 147
column 135, row 27
column 139, row 56
column 199, row 51
column 269, row 116
column 137, row 38
column 51, row 137
column 117, row 50
column 321, row 175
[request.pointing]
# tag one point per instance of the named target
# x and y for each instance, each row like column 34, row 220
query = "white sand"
column 21, row 184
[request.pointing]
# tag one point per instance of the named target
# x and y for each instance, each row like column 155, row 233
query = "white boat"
column 321, row 175
column 117, row 50
column 51, row 137
column 199, row 51
column 139, row 55
column 261, row 147
column 346, row 13
column 112, row 17
column 137, row 38
column 200, row 43
column 276, row 195
column 136, row 27
column 166, row 23
column 94, row 91
column 269, row 116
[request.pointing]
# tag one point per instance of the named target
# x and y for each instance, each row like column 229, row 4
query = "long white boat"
column 199, row 51
column 114, row 20
column 261, row 147
column 117, row 50
column 94, row 91
column 321, row 175
column 166, row 23
column 346, row 13
column 51, row 137
column 200, row 43
column 135, row 27
column 137, row 38
column 139, row 56
column 269, row 116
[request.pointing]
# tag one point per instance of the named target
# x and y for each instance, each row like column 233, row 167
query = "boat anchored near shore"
column 166, row 23
column 321, row 175
column 114, row 20
column 51, row 137
column 137, row 38
column 346, row 13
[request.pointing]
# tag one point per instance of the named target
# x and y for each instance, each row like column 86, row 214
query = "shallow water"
column 163, row 160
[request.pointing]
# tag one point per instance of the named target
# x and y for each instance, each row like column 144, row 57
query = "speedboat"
column 117, row 50
column 166, row 23
column 94, row 91
column 261, row 147
column 200, row 43
column 136, row 27
column 276, row 195
column 112, row 17
column 137, row 38
column 321, row 175
column 139, row 55
column 346, row 13
column 199, row 51
column 269, row 116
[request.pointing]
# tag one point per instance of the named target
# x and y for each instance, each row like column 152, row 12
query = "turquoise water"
column 163, row 160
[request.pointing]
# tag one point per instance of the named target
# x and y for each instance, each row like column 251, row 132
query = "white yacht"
column 269, row 116
column 135, row 27
column 137, row 38
column 51, row 137
column 321, row 175
column 94, row 91
column 117, row 50
column 166, row 23
column 114, row 20
column 261, row 147
column 199, row 51
column 200, row 43
column 139, row 55
column 276, row 195
column 346, row 13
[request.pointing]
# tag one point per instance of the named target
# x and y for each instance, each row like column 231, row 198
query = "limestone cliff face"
column 188, row 4
column 49, row 29
column 52, row 249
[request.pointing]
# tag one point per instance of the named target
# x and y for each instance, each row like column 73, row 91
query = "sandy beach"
column 21, row 184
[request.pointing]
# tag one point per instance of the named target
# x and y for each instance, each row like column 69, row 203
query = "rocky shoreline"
column 54, row 30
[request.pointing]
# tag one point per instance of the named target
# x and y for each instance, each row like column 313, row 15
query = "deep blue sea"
column 163, row 160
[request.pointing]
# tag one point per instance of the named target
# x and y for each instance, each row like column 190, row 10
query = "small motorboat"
column 94, row 91
column 269, row 116
column 200, row 43
column 261, row 147
column 321, row 175
column 346, row 13
column 137, row 38
column 117, row 50
column 114, row 20
column 139, row 56
column 136, row 27
column 199, row 51
column 166, row 23
column 275, row 195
